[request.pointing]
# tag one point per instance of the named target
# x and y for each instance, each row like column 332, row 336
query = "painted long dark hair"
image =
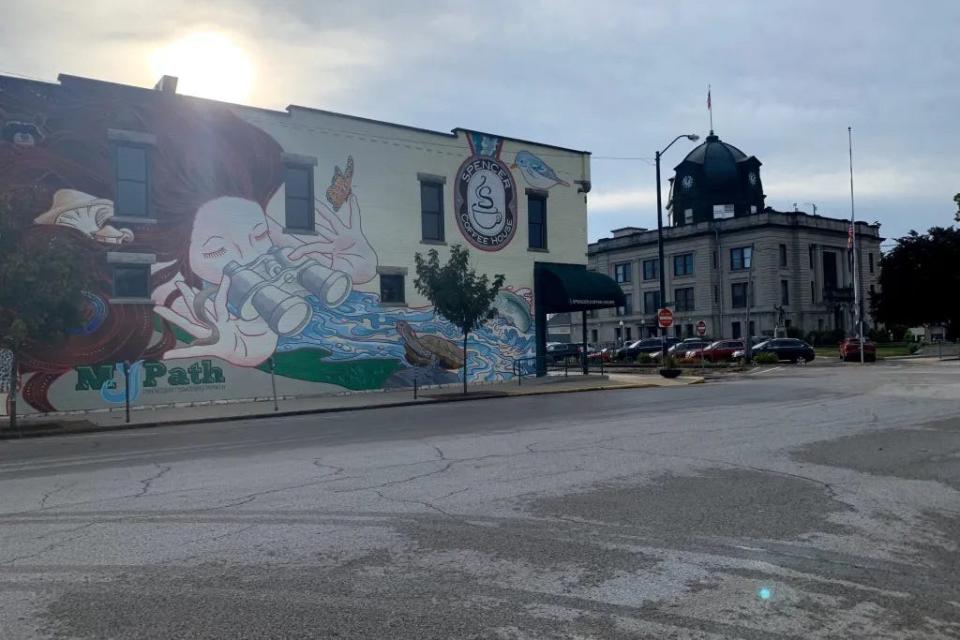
column 203, row 151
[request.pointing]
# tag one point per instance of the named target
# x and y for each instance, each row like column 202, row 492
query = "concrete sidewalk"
column 81, row 422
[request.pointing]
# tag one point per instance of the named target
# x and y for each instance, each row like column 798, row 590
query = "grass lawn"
column 883, row 350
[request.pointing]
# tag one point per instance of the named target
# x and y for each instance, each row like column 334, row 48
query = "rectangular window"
column 688, row 330
column 629, row 331
column 813, row 291
column 616, row 332
column 683, row 298
column 651, row 269
column 537, row 220
column 716, row 294
column 298, row 190
column 677, row 331
column 812, row 250
column 133, row 184
column 738, row 295
column 829, row 270
column 784, row 292
column 392, row 288
column 431, row 211
column 740, row 258
column 131, row 281
column 870, row 257
column 593, row 336
column 723, row 211
column 753, row 328
column 651, row 301
column 715, row 260
column 735, row 331
column 683, row 264
column 783, row 256
column 621, row 272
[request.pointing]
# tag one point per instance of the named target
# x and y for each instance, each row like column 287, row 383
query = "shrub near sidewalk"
column 765, row 358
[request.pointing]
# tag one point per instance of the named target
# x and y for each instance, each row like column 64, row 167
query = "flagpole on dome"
column 710, row 108
column 852, row 246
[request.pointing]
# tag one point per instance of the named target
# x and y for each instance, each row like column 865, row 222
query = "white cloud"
column 622, row 199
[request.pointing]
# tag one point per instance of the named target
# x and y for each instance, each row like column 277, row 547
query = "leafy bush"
column 880, row 336
column 765, row 358
column 670, row 363
column 794, row 332
column 644, row 358
column 914, row 347
column 828, row 337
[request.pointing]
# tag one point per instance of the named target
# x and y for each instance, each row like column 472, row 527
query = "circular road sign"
column 665, row 318
column 701, row 328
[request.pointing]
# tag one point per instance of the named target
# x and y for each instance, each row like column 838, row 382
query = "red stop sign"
column 701, row 328
column 665, row 318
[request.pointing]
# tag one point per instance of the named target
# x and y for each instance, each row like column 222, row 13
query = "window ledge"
column 133, row 220
column 143, row 301
column 436, row 242
column 538, row 250
column 300, row 232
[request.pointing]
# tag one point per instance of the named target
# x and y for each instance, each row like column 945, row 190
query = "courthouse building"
column 233, row 245
column 732, row 262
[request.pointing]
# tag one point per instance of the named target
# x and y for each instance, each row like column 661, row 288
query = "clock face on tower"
column 752, row 177
column 687, row 182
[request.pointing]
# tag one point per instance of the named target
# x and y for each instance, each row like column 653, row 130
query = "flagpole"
column 853, row 247
column 710, row 107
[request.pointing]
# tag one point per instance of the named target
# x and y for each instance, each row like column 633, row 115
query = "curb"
column 5, row 435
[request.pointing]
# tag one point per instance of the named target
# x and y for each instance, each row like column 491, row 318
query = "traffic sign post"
column 665, row 318
column 701, row 331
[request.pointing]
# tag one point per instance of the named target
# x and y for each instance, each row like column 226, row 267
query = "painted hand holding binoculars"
column 259, row 278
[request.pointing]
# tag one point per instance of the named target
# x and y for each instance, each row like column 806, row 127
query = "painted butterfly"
column 341, row 185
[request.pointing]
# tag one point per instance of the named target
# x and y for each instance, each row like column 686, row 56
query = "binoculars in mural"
column 274, row 288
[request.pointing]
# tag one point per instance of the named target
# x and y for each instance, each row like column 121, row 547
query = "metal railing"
column 528, row 367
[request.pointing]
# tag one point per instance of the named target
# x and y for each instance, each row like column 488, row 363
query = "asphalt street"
column 796, row 502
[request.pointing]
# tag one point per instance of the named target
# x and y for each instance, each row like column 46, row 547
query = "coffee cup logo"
column 486, row 201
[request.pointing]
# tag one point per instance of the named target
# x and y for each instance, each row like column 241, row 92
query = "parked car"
column 789, row 349
column 719, row 351
column 850, row 350
column 560, row 351
column 600, row 353
column 647, row 345
column 681, row 349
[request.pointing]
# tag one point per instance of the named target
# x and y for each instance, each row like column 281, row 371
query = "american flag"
column 709, row 105
column 850, row 237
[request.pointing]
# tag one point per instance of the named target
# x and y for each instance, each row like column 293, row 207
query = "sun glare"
column 208, row 65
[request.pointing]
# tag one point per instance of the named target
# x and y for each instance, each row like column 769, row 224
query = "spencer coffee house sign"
column 486, row 196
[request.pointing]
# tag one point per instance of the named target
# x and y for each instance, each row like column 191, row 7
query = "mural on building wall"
column 537, row 173
column 485, row 195
column 232, row 291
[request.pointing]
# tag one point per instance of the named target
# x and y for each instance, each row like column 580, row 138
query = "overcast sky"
column 619, row 79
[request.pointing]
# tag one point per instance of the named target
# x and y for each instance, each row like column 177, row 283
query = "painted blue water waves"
column 360, row 328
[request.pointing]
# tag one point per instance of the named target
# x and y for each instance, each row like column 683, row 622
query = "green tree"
column 42, row 280
column 457, row 292
column 919, row 281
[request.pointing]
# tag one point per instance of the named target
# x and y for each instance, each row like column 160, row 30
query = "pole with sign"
column 701, row 331
column 665, row 320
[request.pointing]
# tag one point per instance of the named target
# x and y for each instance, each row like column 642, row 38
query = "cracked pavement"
column 653, row 513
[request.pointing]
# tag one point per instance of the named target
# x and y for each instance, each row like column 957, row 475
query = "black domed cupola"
column 716, row 180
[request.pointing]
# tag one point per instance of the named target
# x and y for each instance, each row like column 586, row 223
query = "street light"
column 663, row 283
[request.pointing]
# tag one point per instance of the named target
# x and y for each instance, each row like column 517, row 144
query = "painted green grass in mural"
column 308, row 365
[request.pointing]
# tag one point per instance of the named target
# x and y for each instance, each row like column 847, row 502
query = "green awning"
column 570, row 287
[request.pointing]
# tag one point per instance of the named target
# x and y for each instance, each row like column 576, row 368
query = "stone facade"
column 794, row 260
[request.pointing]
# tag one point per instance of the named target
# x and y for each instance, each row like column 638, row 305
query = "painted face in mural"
column 225, row 230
